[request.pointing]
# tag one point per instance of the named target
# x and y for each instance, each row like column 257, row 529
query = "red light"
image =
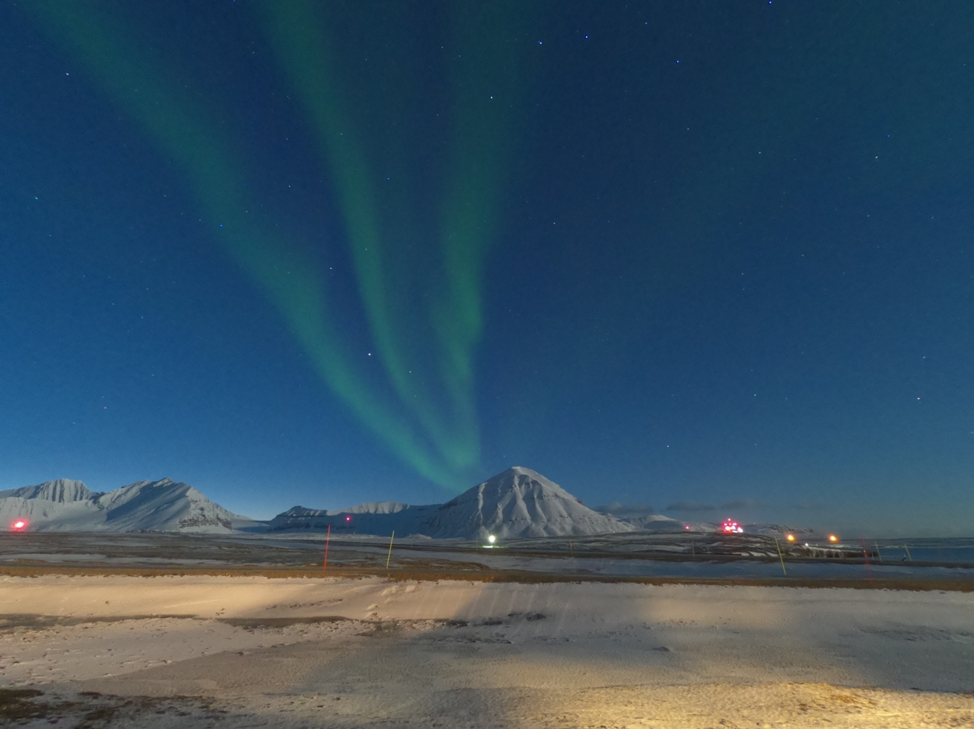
column 731, row 527
column 348, row 518
column 19, row 525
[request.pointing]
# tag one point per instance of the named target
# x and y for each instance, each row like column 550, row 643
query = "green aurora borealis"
column 424, row 312
column 709, row 258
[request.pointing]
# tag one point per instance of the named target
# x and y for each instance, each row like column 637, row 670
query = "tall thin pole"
column 865, row 556
column 390, row 548
column 781, row 557
column 327, row 540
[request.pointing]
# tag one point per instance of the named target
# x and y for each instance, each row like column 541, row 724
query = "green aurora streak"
column 429, row 418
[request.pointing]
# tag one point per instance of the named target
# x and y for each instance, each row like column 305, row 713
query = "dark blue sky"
column 688, row 254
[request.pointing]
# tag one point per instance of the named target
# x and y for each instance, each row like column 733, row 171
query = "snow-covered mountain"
column 656, row 523
column 516, row 503
column 379, row 518
column 61, row 491
column 641, row 517
column 66, row 505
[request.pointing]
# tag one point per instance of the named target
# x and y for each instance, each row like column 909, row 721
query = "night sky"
column 709, row 257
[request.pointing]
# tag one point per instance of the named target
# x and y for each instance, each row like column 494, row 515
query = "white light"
column 491, row 539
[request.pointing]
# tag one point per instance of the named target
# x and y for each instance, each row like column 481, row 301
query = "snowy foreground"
column 208, row 651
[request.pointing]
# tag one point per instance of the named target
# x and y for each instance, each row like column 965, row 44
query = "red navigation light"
column 731, row 527
column 348, row 518
column 687, row 526
column 19, row 525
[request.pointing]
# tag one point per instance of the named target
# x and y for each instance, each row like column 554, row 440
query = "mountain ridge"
column 163, row 505
column 516, row 503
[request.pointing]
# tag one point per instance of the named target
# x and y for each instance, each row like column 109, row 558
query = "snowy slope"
column 65, row 505
column 656, row 523
column 641, row 517
column 517, row 503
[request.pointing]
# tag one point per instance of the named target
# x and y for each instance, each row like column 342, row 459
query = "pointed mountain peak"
column 521, row 479
column 518, row 502
column 522, row 473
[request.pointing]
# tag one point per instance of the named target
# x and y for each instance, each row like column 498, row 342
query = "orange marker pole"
column 865, row 556
column 327, row 539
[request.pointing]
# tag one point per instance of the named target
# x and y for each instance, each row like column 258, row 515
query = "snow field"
column 362, row 652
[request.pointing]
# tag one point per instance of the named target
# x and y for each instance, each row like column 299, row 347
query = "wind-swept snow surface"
column 198, row 652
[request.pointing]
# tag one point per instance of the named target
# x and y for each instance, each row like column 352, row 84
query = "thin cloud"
column 617, row 508
column 741, row 504
column 811, row 506
column 690, row 506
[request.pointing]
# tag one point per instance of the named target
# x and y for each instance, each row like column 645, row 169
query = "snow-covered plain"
column 255, row 652
column 553, row 646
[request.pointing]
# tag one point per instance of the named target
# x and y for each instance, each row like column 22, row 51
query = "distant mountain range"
column 165, row 505
column 514, row 504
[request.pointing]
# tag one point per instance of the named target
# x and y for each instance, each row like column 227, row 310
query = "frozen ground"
column 206, row 651
column 616, row 556
column 201, row 650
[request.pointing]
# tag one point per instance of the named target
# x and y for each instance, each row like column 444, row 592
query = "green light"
column 427, row 416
